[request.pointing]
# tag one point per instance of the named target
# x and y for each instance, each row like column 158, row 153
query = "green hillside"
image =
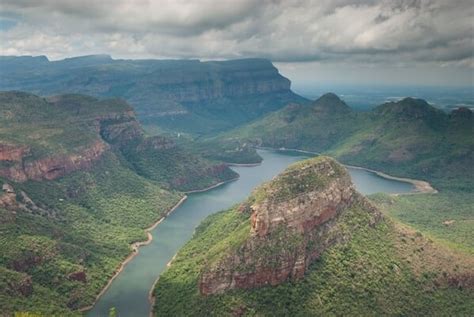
column 69, row 124
column 380, row 269
column 79, row 183
column 406, row 138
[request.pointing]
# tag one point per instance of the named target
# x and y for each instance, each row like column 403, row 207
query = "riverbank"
column 244, row 164
column 289, row 150
column 135, row 246
column 152, row 298
column 421, row 187
column 212, row 187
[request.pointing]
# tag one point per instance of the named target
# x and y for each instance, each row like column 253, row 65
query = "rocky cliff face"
column 54, row 166
column 103, row 122
column 189, row 91
column 293, row 220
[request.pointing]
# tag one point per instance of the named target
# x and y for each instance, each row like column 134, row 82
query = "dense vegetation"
column 380, row 271
column 160, row 159
column 446, row 217
column 417, row 261
column 94, row 217
column 407, row 138
column 65, row 232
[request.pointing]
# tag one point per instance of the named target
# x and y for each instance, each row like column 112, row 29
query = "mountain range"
column 408, row 138
column 93, row 151
column 178, row 95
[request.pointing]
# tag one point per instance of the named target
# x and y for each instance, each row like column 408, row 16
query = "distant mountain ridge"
column 179, row 95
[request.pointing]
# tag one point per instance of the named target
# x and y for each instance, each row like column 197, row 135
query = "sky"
column 347, row 42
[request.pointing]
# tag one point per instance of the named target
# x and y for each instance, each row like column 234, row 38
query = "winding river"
column 129, row 291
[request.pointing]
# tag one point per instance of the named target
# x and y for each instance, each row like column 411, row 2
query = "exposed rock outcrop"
column 52, row 167
column 119, row 128
column 13, row 153
column 292, row 220
column 175, row 92
column 12, row 201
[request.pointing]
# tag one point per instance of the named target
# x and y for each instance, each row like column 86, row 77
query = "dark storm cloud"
column 287, row 31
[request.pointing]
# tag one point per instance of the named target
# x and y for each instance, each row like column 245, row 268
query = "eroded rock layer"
column 292, row 222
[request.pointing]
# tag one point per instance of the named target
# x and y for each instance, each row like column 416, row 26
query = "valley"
column 129, row 293
column 89, row 183
column 242, row 261
column 236, row 158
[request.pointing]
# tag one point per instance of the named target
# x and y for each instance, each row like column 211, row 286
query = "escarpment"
column 293, row 219
column 54, row 166
column 181, row 95
column 48, row 138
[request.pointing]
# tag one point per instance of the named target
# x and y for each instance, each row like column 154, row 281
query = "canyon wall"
column 293, row 219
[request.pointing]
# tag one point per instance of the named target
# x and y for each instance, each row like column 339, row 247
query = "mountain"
column 178, row 95
column 80, row 181
column 406, row 138
column 318, row 125
column 307, row 244
column 43, row 139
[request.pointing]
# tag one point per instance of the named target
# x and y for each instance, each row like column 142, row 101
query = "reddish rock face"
column 52, row 167
column 12, row 153
column 287, row 235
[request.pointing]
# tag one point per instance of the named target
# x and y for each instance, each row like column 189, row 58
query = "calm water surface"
column 129, row 291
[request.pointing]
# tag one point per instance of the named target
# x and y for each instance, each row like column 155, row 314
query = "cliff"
column 293, row 220
column 182, row 95
column 45, row 139
column 80, row 181
column 307, row 244
column 53, row 167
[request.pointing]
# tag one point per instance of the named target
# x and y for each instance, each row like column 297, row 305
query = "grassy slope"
column 376, row 273
column 67, row 124
column 428, row 212
column 177, row 167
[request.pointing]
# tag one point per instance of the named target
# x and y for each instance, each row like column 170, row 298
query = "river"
column 128, row 293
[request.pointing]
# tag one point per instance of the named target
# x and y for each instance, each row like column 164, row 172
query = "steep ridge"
column 291, row 220
column 180, row 95
column 406, row 138
column 307, row 244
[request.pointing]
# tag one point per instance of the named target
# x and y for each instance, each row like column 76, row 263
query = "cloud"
column 364, row 31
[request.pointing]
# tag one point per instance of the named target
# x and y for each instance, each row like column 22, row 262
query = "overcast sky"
column 333, row 41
